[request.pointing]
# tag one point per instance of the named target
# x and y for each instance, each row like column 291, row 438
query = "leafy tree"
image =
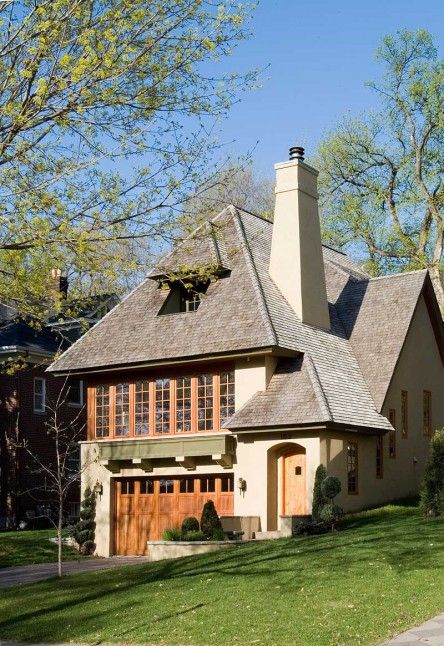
column 432, row 492
column 319, row 500
column 84, row 530
column 381, row 176
column 106, row 111
column 210, row 524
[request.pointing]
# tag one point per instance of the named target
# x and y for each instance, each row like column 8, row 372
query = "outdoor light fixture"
column 98, row 488
column 242, row 485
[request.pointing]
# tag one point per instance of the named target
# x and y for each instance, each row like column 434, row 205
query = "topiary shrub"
column 190, row 524
column 331, row 514
column 432, row 491
column 193, row 536
column 210, row 522
column 319, row 499
column 330, row 487
column 172, row 534
column 84, row 529
column 218, row 534
column 309, row 527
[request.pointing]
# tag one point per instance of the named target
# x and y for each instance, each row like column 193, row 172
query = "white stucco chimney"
column 296, row 263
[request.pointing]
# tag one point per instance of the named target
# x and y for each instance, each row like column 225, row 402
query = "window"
column 208, row 485
column 121, row 427
column 75, row 393
column 184, row 298
column 404, row 414
column 352, row 467
column 205, row 402
column 227, row 483
column 39, row 395
column 186, row 485
column 226, row 396
column 162, row 406
column 142, row 408
column 102, row 411
column 379, row 456
column 166, row 486
column 183, row 404
column 146, row 486
column 127, row 487
column 427, row 412
column 392, row 434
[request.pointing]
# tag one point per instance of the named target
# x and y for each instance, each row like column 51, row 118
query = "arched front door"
column 293, row 483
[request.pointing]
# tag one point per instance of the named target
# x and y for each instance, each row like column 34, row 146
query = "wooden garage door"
column 145, row 507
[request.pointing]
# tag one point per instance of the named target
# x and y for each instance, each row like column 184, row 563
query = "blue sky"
column 319, row 53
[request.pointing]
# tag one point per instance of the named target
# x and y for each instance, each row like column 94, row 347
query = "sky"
column 318, row 55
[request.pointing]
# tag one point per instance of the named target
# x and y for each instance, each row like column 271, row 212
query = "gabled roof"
column 348, row 367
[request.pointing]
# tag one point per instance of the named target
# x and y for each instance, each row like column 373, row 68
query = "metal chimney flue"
column 297, row 152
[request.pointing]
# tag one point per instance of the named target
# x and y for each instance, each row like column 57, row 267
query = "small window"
column 404, row 414
column 207, row 485
column 379, row 456
column 75, row 393
column 127, row 487
column 146, row 486
column 427, row 412
column 392, row 434
column 352, row 467
column 166, row 486
column 184, row 297
column 186, row 485
column 39, row 395
column 227, row 483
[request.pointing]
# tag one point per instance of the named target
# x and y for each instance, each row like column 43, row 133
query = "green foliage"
column 331, row 514
column 432, row 491
column 190, row 524
column 210, row 522
column 172, row 534
column 193, row 535
column 86, row 86
column 84, row 530
column 381, row 176
column 331, row 487
column 319, row 499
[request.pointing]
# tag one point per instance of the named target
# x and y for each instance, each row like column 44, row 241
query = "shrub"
column 84, row 529
column 172, row 534
column 330, row 488
column 218, row 534
column 210, row 521
column 432, row 491
column 319, row 499
column 193, row 536
column 331, row 514
column 190, row 524
column 308, row 527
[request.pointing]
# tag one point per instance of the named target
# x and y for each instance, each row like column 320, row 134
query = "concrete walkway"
column 10, row 576
column 432, row 633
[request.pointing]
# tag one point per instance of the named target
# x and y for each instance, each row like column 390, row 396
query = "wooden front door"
column 145, row 507
column 293, row 485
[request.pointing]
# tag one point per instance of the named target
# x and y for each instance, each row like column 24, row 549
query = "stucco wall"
column 419, row 368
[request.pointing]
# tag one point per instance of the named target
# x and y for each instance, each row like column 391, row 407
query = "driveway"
column 10, row 576
column 432, row 633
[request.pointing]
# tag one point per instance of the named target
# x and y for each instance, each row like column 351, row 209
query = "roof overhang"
column 310, row 427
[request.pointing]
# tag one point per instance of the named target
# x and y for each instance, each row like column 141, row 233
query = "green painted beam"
column 166, row 447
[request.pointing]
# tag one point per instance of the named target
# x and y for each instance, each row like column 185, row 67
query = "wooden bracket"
column 187, row 463
column 224, row 460
column 144, row 463
column 111, row 465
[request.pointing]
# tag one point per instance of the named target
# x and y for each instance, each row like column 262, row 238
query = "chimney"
column 296, row 263
column 58, row 285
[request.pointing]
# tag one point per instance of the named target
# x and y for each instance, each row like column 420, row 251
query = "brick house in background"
column 24, row 396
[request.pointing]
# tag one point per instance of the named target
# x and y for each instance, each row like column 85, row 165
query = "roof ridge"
column 399, row 274
column 255, row 276
column 317, row 386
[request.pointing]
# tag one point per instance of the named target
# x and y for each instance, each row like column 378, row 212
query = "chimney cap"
column 297, row 152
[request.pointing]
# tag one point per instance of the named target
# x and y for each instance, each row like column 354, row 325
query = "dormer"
column 183, row 296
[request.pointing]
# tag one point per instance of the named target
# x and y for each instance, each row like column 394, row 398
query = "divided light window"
column 205, row 402
column 163, row 406
column 226, row 396
column 183, row 404
column 142, row 408
column 121, row 424
column 352, row 467
column 39, row 395
column 427, row 412
column 102, row 411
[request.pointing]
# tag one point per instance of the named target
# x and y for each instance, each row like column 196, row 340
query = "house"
column 249, row 356
column 26, row 350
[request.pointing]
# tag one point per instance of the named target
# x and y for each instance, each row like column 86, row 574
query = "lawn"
column 383, row 573
column 25, row 547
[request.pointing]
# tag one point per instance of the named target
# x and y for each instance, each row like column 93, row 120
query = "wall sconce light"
column 242, row 485
column 415, row 460
column 98, row 488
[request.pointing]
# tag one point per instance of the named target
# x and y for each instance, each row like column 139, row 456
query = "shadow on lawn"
column 401, row 542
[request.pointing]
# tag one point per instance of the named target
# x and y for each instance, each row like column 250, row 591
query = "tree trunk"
column 438, row 286
column 59, row 539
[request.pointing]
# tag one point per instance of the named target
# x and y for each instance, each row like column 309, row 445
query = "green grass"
column 26, row 547
column 383, row 573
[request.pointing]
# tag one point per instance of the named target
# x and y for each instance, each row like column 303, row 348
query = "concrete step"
column 266, row 536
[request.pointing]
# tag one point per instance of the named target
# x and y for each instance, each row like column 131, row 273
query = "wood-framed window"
column 122, row 410
column 226, row 396
column 142, row 407
column 427, row 412
column 102, row 410
column 392, row 434
column 161, row 406
column 205, row 404
column 163, row 400
column 75, row 393
column 352, row 467
column 39, row 395
column 404, row 413
column 379, row 456
column 183, row 404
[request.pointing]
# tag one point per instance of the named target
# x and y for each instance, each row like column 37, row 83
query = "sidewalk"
column 10, row 576
column 432, row 633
